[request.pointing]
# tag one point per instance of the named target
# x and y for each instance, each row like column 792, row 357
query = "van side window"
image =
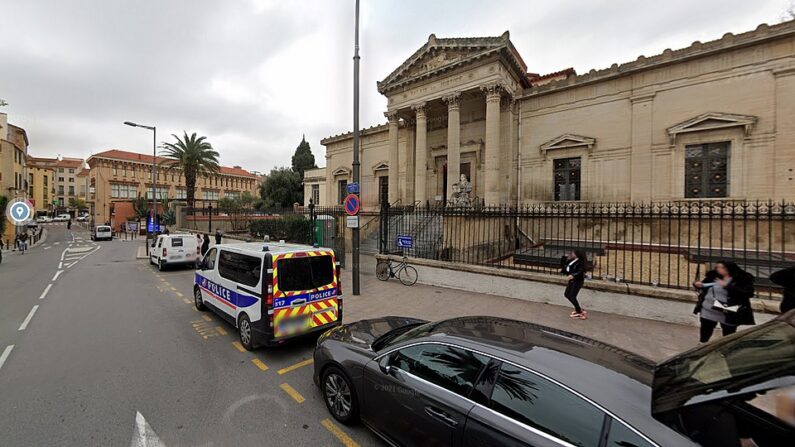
column 209, row 259
column 239, row 268
column 539, row 403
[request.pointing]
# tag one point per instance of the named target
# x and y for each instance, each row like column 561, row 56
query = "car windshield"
column 756, row 360
column 400, row 334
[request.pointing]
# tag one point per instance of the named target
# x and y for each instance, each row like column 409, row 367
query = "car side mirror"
column 384, row 366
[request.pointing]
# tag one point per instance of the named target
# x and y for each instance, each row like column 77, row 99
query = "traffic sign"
column 404, row 241
column 352, row 204
column 352, row 188
column 352, row 221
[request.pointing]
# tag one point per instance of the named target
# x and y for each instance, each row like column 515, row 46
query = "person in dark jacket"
column 573, row 266
column 786, row 279
column 726, row 286
column 217, row 236
column 205, row 244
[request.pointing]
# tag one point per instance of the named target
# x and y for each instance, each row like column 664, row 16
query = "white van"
column 173, row 249
column 102, row 232
column 271, row 292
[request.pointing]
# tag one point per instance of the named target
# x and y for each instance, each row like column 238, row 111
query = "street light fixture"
column 154, row 179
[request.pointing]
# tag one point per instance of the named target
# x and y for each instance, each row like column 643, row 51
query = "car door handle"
column 441, row 415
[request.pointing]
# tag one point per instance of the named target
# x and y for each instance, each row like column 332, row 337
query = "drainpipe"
column 518, row 171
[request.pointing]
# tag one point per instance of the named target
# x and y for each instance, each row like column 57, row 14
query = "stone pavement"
column 653, row 339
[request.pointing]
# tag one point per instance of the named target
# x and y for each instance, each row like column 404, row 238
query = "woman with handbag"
column 574, row 268
column 724, row 298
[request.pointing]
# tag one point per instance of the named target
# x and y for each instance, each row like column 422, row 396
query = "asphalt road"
column 116, row 354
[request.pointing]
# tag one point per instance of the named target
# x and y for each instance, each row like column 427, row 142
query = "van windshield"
column 308, row 273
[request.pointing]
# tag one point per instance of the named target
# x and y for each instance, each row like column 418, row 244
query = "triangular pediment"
column 342, row 170
column 381, row 165
column 712, row 121
column 567, row 141
column 441, row 54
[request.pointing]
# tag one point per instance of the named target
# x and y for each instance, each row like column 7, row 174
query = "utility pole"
column 356, row 170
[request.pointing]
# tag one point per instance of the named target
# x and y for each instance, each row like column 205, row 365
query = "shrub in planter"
column 291, row 228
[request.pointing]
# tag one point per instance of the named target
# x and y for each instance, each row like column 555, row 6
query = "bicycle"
column 404, row 272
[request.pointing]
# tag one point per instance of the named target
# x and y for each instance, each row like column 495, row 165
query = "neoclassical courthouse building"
column 713, row 120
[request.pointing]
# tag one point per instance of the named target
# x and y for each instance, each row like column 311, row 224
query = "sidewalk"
column 653, row 339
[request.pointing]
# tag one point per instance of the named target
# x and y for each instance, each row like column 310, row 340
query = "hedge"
column 292, row 228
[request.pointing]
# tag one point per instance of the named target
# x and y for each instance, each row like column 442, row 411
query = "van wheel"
column 198, row 300
column 339, row 395
column 246, row 333
column 160, row 265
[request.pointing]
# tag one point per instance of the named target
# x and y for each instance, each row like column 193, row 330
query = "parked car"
column 83, row 218
column 172, row 250
column 477, row 381
column 62, row 218
column 44, row 219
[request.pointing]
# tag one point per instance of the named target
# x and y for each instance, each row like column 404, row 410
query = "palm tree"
column 193, row 156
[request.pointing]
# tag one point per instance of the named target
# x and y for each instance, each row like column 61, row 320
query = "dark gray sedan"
column 486, row 381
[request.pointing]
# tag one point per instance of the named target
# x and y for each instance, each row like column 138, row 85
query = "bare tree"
column 789, row 12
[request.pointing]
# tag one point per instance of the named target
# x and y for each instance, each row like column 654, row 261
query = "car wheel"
column 246, row 333
column 160, row 265
column 198, row 300
column 339, row 395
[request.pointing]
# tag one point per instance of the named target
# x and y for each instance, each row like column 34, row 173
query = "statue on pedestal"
column 461, row 190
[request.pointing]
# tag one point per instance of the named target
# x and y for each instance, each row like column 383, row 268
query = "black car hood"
column 362, row 333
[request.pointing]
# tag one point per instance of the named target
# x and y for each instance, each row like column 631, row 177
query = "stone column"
column 453, row 141
column 331, row 196
column 394, row 176
column 492, row 155
column 421, row 154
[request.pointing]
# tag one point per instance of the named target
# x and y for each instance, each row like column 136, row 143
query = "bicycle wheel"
column 408, row 275
column 382, row 270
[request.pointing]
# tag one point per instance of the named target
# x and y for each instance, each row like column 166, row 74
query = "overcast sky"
column 254, row 75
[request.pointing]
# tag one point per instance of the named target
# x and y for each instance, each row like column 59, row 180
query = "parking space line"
column 296, row 366
column 264, row 367
column 292, row 393
column 207, row 318
column 221, row 330
column 5, row 354
column 238, row 346
column 28, row 318
column 179, row 294
column 173, row 288
column 338, row 433
column 186, row 301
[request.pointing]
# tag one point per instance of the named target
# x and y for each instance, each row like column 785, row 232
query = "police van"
column 271, row 292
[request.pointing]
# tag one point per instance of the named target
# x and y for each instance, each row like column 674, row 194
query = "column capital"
column 452, row 100
column 493, row 90
column 419, row 108
column 391, row 116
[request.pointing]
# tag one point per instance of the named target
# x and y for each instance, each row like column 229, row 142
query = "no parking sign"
column 352, row 204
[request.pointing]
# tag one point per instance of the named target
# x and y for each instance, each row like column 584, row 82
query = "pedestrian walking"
column 786, row 279
column 205, row 244
column 573, row 266
column 166, row 232
column 724, row 298
column 217, row 236
column 23, row 242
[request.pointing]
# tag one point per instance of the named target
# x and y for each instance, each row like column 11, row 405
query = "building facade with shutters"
column 714, row 120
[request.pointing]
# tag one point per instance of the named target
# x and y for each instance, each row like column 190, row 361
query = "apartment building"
column 13, row 169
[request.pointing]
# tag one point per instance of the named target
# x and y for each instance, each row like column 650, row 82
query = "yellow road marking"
column 173, row 288
column 221, row 330
column 238, row 346
column 338, row 433
column 194, row 309
column 207, row 318
column 296, row 366
column 292, row 392
column 179, row 294
column 186, row 301
column 263, row 367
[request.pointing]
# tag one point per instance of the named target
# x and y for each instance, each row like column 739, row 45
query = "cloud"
column 255, row 75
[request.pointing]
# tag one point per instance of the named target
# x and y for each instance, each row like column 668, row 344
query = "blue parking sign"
column 405, row 241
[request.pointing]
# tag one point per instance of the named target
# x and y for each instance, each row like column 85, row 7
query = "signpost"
column 352, row 221
column 404, row 241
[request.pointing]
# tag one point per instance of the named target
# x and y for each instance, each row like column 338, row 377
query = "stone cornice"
column 347, row 135
column 697, row 49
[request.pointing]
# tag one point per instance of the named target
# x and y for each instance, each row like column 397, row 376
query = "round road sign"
column 352, row 204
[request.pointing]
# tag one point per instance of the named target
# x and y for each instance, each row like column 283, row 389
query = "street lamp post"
column 356, row 163
column 154, row 180
column 210, row 218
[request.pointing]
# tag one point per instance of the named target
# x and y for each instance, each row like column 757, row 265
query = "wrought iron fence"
column 659, row 244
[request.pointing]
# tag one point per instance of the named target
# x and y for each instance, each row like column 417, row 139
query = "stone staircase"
column 425, row 229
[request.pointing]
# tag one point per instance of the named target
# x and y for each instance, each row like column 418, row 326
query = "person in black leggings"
column 574, row 268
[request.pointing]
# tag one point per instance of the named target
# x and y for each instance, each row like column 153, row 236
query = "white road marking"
column 70, row 265
column 5, row 354
column 56, row 243
column 46, row 291
column 60, row 265
column 27, row 319
column 57, row 274
column 47, row 248
column 143, row 435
